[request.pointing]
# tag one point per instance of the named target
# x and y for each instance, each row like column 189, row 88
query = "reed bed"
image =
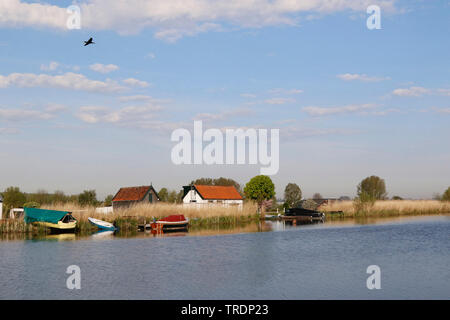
column 18, row 226
column 389, row 208
column 127, row 219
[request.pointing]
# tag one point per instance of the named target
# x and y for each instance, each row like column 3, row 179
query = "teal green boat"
column 57, row 220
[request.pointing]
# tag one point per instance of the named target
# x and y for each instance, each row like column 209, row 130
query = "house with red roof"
column 130, row 196
column 201, row 195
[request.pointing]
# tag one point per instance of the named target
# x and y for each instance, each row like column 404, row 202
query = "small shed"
column 130, row 196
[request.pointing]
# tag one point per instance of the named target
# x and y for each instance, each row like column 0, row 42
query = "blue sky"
column 349, row 102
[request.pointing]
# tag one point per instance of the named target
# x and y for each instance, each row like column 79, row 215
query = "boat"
column 53, row 219
column 171, row 223
column 104, row 225
column 303, row 215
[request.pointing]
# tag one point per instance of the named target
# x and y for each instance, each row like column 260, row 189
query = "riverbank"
column 386, row 208
column 128, row 219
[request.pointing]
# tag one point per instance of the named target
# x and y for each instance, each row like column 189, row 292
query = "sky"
column 349, row 101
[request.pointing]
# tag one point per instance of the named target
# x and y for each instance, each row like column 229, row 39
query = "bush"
column 446, row 195
column 364, row 202
column 32, row 204
column 373, row 187
column 309, row 204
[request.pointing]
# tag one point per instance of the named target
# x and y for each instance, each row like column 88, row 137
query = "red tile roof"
column 131, row 193
column 218, row 192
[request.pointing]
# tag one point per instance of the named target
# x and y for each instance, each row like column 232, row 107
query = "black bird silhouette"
column 86, row 43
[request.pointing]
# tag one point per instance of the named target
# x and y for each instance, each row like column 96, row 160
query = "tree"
column 372, row 188
column 59, row 197
column 446, row 195
column 344, row 198
column 172, row 196
column 88, row 197
column 397, row 198
column 163, row 195
column 260, row 188
column 108, row 201
column 292, row 195
column 309, row 204
column 13, row 198
column 437, row 196
column 364, row 202
column 317, row 196
column 180, row 195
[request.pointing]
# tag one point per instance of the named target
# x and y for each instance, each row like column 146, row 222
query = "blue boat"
column 103, row 225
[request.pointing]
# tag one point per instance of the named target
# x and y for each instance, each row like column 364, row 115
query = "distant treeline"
column 13, row 197
column 259, row 189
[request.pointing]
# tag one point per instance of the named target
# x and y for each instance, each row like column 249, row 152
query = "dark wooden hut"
column 129, row 196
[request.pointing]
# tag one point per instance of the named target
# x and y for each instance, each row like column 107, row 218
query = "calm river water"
column 326, row 261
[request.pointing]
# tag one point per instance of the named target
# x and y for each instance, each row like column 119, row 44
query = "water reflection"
column 252, row 227
column 101, row 234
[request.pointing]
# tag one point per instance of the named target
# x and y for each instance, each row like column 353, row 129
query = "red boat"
column 171, row 223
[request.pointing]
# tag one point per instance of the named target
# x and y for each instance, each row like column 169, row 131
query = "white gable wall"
column 193, row 198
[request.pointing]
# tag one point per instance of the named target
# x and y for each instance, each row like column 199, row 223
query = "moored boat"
column 303, row 215
column 171, row 223
column 53, row 219
column 104, row 225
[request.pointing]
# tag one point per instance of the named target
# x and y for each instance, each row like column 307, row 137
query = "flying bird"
column 86, row 43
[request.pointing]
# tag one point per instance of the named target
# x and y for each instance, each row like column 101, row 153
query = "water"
column 326, row 261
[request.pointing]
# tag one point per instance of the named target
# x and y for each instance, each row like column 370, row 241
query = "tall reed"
column 390, row 208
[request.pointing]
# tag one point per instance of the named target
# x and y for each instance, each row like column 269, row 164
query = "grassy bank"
column 387, row 208
column 128, row 219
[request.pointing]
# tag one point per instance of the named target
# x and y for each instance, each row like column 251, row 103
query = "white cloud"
column 220, row 116
column 445, row 92
column 103, row 68
column 285, row 91
column 174, row 19
column 248, row 95
column 278, row 100
column 442, row 110
column 55, row 108
column 142, row 98
column 294, row 133
column 411, row 92
column 151, row 55
column 69, row 80
column 9, row 131
column 360, row 77
column 320, row 111
column 52, row 66
column 24, row 114
column 126, row 116
column 420, row 91
column 136, row 83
